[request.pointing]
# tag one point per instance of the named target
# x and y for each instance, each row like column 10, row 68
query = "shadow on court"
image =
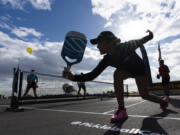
column 151, row 123
column 175, row 102
column 116, row 125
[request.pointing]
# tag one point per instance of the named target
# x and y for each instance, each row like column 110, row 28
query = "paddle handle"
column 68, row 69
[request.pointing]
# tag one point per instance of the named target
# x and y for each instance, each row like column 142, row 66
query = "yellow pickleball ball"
column 29, row 50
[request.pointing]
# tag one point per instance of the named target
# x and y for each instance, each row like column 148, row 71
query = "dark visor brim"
column 94, row 41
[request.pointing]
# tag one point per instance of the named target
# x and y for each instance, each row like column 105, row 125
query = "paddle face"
column 73, row 47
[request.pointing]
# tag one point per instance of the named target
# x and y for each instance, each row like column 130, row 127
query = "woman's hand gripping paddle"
column 73, row 48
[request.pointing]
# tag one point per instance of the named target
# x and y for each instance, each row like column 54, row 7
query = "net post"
column 14, row 105
column 20, row 85
column 127, row 90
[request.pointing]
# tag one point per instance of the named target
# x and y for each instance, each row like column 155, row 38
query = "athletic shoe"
column 167, row 99
column 119, row 115
column 164, row 105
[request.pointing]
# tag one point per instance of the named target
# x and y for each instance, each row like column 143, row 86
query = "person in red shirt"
column 164, row 73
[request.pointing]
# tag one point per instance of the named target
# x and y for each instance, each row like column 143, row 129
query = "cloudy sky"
column 43, row 24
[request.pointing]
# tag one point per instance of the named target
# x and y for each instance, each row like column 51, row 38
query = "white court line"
column 96, row 113
column 155, row 117
column 126, row 107
column 135, row 104
column 4, row 105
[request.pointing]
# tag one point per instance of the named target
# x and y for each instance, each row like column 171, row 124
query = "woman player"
column 128, row 64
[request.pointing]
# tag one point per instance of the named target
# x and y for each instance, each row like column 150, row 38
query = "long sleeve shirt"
column 124, row 58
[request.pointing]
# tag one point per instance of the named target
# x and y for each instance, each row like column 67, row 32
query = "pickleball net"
column 54, row 88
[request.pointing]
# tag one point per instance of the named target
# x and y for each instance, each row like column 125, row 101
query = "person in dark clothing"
column 32, row 81
column 164, row 74
column 128, row 64
column 81, row 85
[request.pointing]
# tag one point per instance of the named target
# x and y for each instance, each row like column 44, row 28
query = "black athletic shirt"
column 124, row 58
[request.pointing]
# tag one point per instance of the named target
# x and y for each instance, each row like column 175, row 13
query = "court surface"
column 92, row 117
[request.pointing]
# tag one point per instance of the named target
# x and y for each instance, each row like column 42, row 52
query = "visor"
column 103, row 35
column 94, row 41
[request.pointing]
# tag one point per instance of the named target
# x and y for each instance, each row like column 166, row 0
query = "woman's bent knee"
column 144, row 95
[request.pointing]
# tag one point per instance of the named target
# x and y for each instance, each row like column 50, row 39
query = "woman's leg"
column 27, row 90
column 142, row 84
column 35, row 93
column 165, row 84
column 120, row 114
column 119, row 76
column 84, row 87
column 79, row 89
column 166, row 90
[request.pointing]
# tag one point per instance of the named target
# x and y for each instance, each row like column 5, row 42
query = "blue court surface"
column 92, row 117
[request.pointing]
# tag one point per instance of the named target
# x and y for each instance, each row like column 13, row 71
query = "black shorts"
column 137, row 71
column 165, row 81
column 31, row 85
column 136, row 67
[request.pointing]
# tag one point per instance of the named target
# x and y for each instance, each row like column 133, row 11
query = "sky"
column 43, row 24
